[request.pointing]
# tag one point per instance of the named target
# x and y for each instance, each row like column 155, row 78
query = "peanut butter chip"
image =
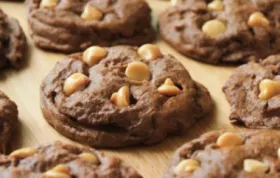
column 94, row 54
column 168, row 88
column 257, row 19
column 138, row 71
column 89, row 157
column 75, row 82
column 149, row 52
column 216, row 5
column 213, row 28
column 23, row 152
column 91, row 13
column 122, row 97
column 229, row 139
column 48, row 3
column 59, row 171
column 186, row 166
column 251, row 165
column 268, row 89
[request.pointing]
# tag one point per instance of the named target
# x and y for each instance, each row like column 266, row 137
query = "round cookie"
column 228, row 31
column 59, row 160
column 122, row 96
column 12, row 42
column 253, row 93
column 8, row 121
column 247, row 154
column 72, row 26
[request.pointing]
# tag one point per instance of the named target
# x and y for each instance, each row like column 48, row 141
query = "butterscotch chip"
column 216, row 5
column 75, row 82
column 229, row 139
column 169, row 88
column 89, row 157
column 257, row 19
column 23, row 152
column 149, row 52
column 61, row 168
column 186, row 166
column 213, row 28
column 94, row 54
column 91, row 13
column 122, row 97
column 54, row 174
column 251, row 165
column 48, row 3
column 138, row 71
column 268, row 89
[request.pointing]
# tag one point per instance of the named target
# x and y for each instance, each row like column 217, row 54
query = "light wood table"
column 23, row 87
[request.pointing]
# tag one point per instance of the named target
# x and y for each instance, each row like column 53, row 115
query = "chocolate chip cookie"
column 253, row 93
column 8, row 121
column 248, row 154
column 72, row 25
column 12, row 42
column 122, row 96
column 59, row 160
column 228, row 31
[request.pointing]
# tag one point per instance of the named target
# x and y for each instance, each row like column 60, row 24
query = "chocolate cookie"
column 253, row 93
column 8, row 120
column 248, row 154
column 228, row 31
column 121, row 96
column 72, row 25
column 12, row 41
column 60, row 160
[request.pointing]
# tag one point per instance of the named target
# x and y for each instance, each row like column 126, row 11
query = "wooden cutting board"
column 23, row 87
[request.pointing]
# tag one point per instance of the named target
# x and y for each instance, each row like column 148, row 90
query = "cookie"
column 12, row 42
column 8, row 121
column 59, row 160
column 247, row 154
column 252, row 92
column 228, row 31
column 122, row 96
column 72, row 26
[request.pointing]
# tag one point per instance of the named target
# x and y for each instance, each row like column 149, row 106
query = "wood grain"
column 23, row 87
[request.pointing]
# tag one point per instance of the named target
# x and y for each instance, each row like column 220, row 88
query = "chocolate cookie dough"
column 8, row 121
column 60, row 160
column 72, row 25
column 12, row 42
column 122, row 96
column 228, row 31
column 248, row 154
column 253, row 93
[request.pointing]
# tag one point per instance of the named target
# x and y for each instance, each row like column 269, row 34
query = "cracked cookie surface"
column 237, row 31
column 254, row 155
column 12, row 42
column 252, row 92
column 72, row 25
column 109, row 108
column 62, row 161
column 8, row 121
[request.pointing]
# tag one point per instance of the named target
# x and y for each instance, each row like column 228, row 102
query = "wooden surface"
column 23, row 87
